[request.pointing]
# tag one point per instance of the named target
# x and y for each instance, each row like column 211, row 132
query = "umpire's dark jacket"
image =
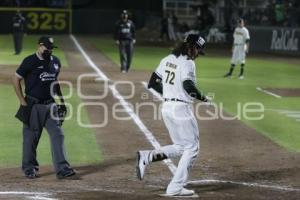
column 124, row 30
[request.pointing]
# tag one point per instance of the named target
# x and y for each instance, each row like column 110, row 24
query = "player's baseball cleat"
column 241, row 77
column 142, row 161
column 227, row 75
column 183, row 193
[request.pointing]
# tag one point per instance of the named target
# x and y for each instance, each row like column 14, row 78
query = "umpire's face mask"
column 47, row 54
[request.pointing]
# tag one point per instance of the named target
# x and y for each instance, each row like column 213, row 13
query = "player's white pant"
column 238, row 54
column 183, row 130
column 171, row 33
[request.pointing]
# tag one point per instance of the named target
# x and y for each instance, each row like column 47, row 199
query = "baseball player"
column 241, row 40
column 175, row 79
column 125, row 38
column 18, row 27
column 38, row 108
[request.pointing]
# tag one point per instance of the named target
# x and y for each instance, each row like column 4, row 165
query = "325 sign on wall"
column 48, row 21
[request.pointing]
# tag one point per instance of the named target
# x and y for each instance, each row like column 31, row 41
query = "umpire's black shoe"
column 66, row 172
column 31, row 174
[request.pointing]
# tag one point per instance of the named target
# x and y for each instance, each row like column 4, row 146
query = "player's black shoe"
column 66, row 172
column 228, row 75
column 31, row 173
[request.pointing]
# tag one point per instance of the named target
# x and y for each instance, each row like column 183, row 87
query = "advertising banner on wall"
column 275, row 40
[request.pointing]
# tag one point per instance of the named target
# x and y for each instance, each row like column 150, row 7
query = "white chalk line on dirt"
column 268, row 92
column 29, row 195
column 273, row 187
column 125, row 104
column 199, row 182
column 146, row 131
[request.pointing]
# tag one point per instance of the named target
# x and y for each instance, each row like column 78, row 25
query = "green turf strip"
column 81, row 145
column 258, row 73
column 7, row 56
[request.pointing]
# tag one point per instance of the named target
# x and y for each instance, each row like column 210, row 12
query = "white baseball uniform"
column 178, row 116
column 240, row 36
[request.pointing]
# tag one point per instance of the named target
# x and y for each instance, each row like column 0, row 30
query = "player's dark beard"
column 192, row 54
column 47, row 54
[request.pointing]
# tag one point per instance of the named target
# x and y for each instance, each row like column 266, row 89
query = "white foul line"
column 268, row 92
column 148, row 133
column 88, row 59
column 129, row 110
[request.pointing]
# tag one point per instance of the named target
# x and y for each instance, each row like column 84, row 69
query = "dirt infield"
column 235, row 161
column 285, row 92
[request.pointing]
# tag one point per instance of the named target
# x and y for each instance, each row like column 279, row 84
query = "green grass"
column 259, row 73
column 144, row 57
column 81, row 146
column 7, row 56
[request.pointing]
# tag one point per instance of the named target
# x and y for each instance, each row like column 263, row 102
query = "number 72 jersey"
column 174, row 71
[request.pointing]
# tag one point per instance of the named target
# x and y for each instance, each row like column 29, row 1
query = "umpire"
column 38, row 108
column 125, row 38
column 18, row 27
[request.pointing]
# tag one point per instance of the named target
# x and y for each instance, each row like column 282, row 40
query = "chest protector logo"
column 56, row 66
column 45, row 76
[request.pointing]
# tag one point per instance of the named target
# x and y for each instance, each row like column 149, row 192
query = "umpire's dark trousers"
column 126, row 52
column 18, row 42
column 41, row 117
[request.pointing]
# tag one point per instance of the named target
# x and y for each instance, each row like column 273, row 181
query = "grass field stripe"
column 271, row 187
column 268, row 92
column 284, row 111
column 88, row 59
column 126, row 106
column 291, row 114
column 294, row 115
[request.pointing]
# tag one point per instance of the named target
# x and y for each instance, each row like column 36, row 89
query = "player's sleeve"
column 59, row 65
column 159, row 69
column 188, row 78
column 188, row 72
column 133, row 30
column 116, row 32
column 24, row 69
column 247, row 35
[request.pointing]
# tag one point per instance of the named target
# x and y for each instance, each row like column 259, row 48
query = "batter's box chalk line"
column 28, row 195
column 176, row 196
column 246, row 184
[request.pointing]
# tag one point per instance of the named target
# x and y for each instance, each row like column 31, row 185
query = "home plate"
column 179, row 196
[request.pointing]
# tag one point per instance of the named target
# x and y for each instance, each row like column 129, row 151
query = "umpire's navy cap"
column 47, row 41
column 197, row 40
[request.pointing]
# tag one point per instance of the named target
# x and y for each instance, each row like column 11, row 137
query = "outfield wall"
column 64, row 21
column 38, row 20
column 280, row 40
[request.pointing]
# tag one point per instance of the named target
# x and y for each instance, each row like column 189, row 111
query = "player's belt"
column 39, row 101
column 238, row 44
column 174, row 99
